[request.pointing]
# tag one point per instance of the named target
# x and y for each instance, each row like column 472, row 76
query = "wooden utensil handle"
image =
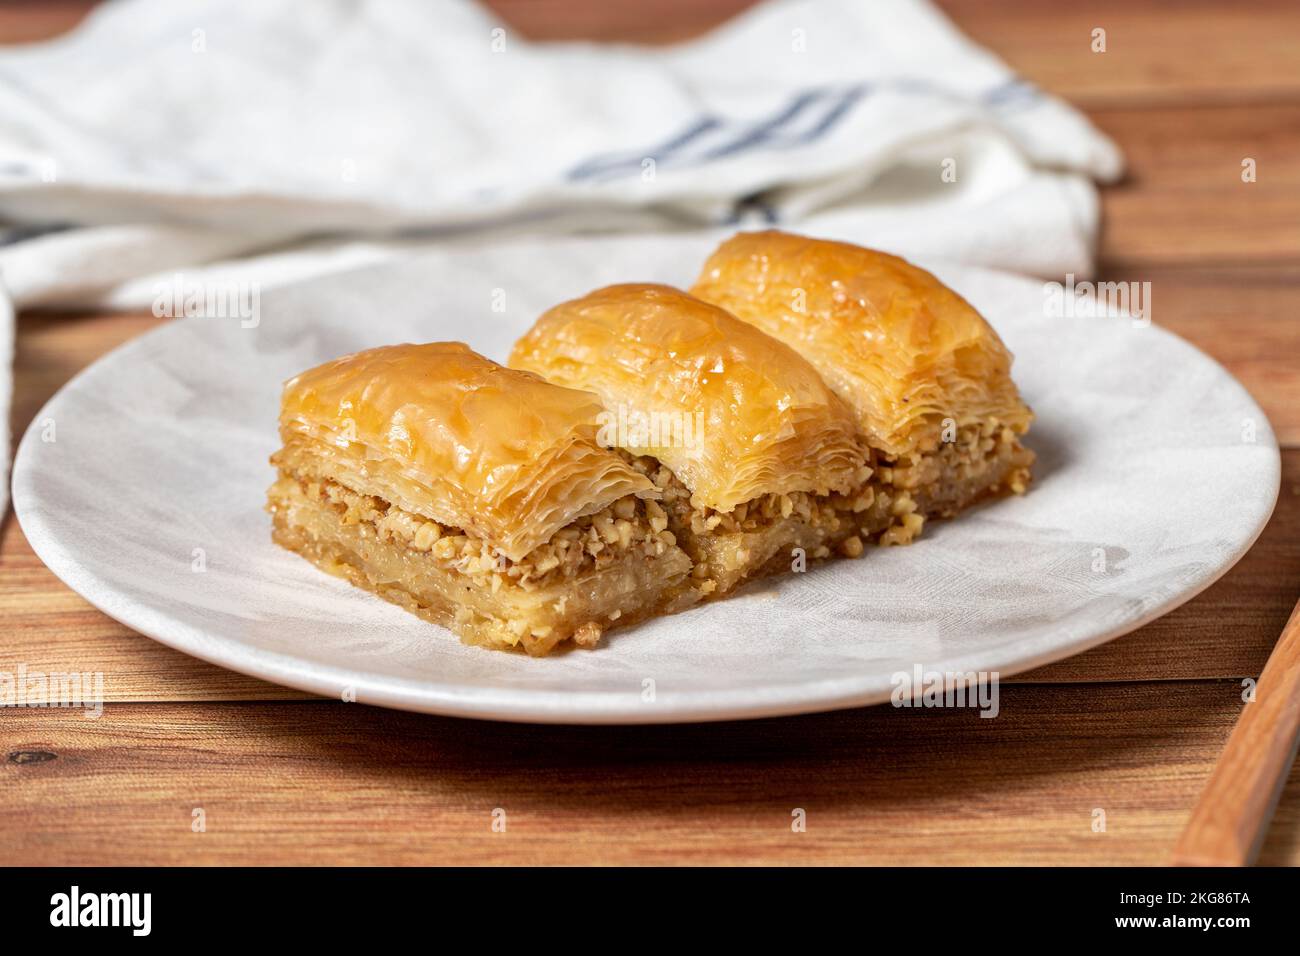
column 1229, row 821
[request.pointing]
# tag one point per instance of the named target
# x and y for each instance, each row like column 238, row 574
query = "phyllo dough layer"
column 473, row 495
column 738, row 414
column 773, row 476
column 902, row 349
column 445, row 433
column 606, row 570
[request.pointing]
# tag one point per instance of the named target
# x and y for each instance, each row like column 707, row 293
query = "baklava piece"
column 928, row 380
column 757, row 461
column 473, row 495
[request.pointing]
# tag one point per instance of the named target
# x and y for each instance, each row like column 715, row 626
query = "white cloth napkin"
column 272, row 141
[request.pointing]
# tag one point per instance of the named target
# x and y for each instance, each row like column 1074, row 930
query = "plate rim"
column 549, row 706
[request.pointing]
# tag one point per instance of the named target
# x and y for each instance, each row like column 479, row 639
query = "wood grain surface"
column 1230, row 819
column 1131, row 729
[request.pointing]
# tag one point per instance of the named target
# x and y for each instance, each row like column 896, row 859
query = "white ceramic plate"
column 1150, row 456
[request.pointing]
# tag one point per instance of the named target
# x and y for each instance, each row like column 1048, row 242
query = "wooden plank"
column 1231, row 818
column 322, row 782
column 32, row 21
column 1183, row 201
column 1282, row 842
column 1157, row 54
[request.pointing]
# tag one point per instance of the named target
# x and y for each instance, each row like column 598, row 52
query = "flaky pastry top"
column 444, row 432
column 900, row 347
column 732, row 412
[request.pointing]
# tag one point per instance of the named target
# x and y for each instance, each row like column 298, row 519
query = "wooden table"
column 1132, row 728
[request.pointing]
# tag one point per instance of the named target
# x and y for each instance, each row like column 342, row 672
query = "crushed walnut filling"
column 961, row 459
column 883, row 507
column 592, row 543
column 835, row 513
column 965, row 458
